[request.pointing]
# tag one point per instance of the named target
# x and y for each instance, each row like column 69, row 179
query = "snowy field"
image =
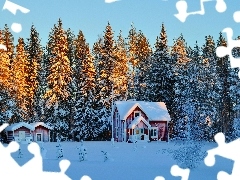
column 126, row 162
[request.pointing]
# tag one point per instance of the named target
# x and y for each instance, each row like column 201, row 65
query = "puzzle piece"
column 222, row 51
column 33, row 169
column 227, row 150
column 236, row 16
column 177, row 171
column 182, row 7
column 12, row 7
column 5, row 156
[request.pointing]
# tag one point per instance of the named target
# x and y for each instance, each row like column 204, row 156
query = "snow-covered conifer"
column 19, row 75
column 59, row 80
column 35, row 56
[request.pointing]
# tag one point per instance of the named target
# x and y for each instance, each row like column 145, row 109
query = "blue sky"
column 91, row 16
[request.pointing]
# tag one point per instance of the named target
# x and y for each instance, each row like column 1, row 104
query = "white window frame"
column 137, row 112
column 152, row 128
column 41, row 137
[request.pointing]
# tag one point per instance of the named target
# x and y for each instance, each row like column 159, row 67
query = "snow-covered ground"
column 126, row 162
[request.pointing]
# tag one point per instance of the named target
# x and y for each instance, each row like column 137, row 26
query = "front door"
column 22, row 135
column 39, row 136
column 140, row 133
column 154, row 133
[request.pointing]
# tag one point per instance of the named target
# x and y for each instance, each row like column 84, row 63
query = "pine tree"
column 6, row 101
column 181, row 103
column 87, row 123
column 35, row 55
column 234, row 94
column 224, row 101
column 194, row 94
column 139, row 51
column 59, row 79
column 5, row 73
column 142, row 76
column 60, row 70
column 211, row 87
column 19, row 71
column 8, row 42
column 40, row 106
column 133, row 60
column 104, row 52
column 160, row 83
column 70, row 103
column 120, row 70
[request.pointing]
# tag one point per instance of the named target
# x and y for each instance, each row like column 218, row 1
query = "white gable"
column 15, row 126
column 155, row 111
column 136, row 121
column 36, row 124
column 31, row 126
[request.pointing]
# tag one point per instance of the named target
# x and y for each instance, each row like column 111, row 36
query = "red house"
column 41, row 132
column 140, row 120
column 25, row 133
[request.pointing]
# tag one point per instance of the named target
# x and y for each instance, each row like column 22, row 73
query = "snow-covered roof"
column 155, row 111
column 15, row 126
column 136, row 121
column 36, row 124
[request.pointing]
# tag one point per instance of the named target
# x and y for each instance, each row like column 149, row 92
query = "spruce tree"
column 5, row 73
column 120, row 70
column 70, row 103
column 86, row 121
column 35, row 55
column 210, row 88
column 139, row 51
column 143, row 66
column 8, row 42
column 224, row 101
column 20, row 75
column 7, row 103
column 181, row 103
column 160, row 83
column 59, row 79
column 104, row 59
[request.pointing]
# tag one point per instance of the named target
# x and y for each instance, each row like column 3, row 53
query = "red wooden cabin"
column 25, row 133
column 140, row 120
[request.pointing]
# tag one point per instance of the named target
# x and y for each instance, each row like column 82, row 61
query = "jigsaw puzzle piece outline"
column 236, row 16
column 177, row 171
column 182, row 7
column 12, row 7
column 222, row 51
column 226, row 150
column 35, row 164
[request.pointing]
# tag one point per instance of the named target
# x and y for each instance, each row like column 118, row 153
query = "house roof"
column 36, row 124
column 15, row 126
column 155, row 111
column 30, row 126
column 136, row 121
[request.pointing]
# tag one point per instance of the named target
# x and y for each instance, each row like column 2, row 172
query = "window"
column 153, row 132
column 137, row 113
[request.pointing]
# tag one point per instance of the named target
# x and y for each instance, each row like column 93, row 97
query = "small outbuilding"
column 26, row 133
column 41, row 132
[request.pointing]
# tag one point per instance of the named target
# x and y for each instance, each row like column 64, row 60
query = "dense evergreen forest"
column 69, row 85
